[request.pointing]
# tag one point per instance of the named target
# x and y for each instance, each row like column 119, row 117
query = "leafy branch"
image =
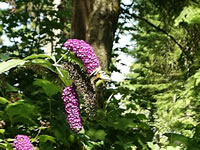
column 154, row 26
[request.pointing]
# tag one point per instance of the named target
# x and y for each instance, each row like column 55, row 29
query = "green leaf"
column 2, row 145
column 190, row 14
column 44, row 63
column 5, row 66
column 97, row 134
column 4, row 56
column 59, row 132
column 10, row 88
column 26, row 120
column 21, row 111
column 34, row 56
column 2, row 131
column 173, row 148
column 65, row 78
column 141, row 117
column 121, row 123
column 10, row 140
column 45, row 138
column 49, row 88
column 177, row 140
column 46, row 146
column 1, row 114
column 3, row 100
column 19, row 108
column 153, row 146
column 99, row 82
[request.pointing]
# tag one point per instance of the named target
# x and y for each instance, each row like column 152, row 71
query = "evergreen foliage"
column 159, row 104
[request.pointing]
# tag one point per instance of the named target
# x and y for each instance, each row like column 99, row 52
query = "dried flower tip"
column 82, row 81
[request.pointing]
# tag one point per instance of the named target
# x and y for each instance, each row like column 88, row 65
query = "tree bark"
column 80, row 15
column 95, row 21
column 50, row 47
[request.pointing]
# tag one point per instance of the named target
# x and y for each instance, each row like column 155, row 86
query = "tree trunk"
column 50, row 47
column 95, row 21
column 80, row 15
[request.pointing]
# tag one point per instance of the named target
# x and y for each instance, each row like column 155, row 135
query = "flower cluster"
column 22, row 142
column 70, row 98
column 85, row 52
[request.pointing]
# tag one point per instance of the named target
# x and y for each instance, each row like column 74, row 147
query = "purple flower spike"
column 85, row 52
column 70, row 98
column 22, row 142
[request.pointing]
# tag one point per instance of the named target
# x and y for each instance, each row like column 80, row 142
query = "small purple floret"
column 22, row 142
column 70, row 98
column 85, row 52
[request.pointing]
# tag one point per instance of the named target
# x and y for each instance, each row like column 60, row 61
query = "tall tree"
column 95, row 21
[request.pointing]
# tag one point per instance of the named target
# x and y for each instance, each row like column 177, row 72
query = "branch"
column 154, row 26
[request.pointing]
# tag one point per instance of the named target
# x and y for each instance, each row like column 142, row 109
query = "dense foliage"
column 164, row 78
column 159, row 103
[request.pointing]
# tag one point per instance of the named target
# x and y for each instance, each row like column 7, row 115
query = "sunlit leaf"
column 3, row 100
column 44, row 63
column 5, row 66
column 153, row 146
column 36, row 56
column 190, row 15
column 2, row 131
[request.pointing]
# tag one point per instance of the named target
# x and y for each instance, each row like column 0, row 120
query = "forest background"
column 159, row 101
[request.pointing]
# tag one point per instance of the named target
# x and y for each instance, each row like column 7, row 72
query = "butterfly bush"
column 85, row 52
column 22, row 142
column 70, row 98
